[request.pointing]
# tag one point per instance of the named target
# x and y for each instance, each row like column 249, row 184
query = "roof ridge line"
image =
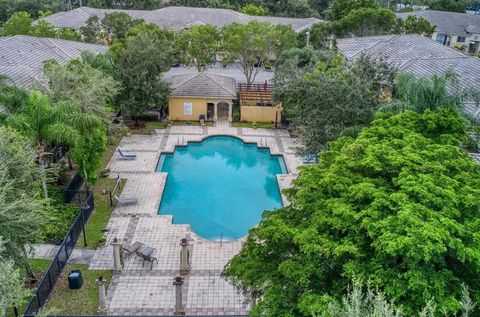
column 186, row 81
column 58, row 47
column 208, row 75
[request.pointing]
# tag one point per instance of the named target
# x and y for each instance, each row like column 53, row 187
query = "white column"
column 102, row 299
column 184, row 257
column 230, row 117
column 179, row 309
column 117, row 260
column 215, row 113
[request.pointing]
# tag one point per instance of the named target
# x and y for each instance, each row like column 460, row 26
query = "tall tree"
column 418, row 25
column 340, row 8
column 33, row 7
column 12, row 98
column 45, row 124
column 115, row 26
column 251, row 45
column 421, row 93
column 198, row 46
column 90, row 88
column 19, row 23
column 142, row 60
column 91, row 32
column 12, row 289
column 252, row 9
column 395, row 207
column 333, row 98
column 21, row 208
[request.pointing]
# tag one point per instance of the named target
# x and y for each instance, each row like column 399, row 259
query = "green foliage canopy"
column 21, row 23
column 397, row 208
column 141, row 60
column 198, row 46
column 21, row 208
column 253, row 45
column 340, row 8
column 325, row 101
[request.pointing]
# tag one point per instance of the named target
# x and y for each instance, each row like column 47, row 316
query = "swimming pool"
column 220, row 186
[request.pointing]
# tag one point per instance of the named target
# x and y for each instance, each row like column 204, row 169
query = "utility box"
column 75, row 280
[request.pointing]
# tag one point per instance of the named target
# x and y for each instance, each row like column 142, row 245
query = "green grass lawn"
column 83, row 301
column 99, row 218
column 242, row 124
column 38, row 266
column 148, row 126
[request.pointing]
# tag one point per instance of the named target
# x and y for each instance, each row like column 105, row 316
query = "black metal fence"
column 73, row 189
column 51, row 275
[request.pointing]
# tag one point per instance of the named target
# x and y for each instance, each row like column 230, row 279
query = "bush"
column 60, row 216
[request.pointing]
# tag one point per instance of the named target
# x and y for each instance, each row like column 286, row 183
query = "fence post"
column 82, row 215
column 111, row 200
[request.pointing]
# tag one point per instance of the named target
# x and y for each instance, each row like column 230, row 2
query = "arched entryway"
column 223, row 111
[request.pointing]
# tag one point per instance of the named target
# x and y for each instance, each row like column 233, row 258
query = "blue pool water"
column 220, row 186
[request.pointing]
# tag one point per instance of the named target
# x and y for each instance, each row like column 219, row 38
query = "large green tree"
column 21, row 207
column 115, row 26
column 141, row 61
column 21, row 23
column 46, row 124
column 340, row 8
column 251, row 45
column 396, row 207
column 33, row 7
column 332, row 98
column 421, row 93
column 12, row 289
column 357, row 22
column 198, row 46
column 91, row 89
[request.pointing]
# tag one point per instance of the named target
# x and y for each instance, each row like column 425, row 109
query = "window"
column 187, row 108
column 441, row 38
column 461, row 39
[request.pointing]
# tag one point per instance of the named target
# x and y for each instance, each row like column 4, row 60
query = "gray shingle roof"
column 417, row 55
column 459, row 24
column 22, row 57
column 203, row 85
column 176, row 18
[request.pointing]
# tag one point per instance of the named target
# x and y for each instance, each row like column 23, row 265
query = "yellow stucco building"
column 201, row 94
column 211, row 96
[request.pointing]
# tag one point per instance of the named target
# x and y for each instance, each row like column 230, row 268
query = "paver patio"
column 138, row 290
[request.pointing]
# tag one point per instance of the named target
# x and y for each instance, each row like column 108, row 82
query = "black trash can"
column 75, row 280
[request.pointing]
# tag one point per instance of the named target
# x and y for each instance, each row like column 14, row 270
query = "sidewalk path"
column 48, row 252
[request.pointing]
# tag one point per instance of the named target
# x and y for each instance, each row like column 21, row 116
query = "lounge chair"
column 145, row 254
column 127, row 157
column 132, row 249
column 125, row 201
column 309, row 159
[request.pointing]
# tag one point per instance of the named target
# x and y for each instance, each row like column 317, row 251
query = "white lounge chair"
column 125, row 201
column 127, row 157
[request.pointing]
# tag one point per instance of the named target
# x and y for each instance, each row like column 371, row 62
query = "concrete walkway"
column 139, row 290
column 48, row 252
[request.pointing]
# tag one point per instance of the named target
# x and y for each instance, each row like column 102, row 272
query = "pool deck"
column 141, row 291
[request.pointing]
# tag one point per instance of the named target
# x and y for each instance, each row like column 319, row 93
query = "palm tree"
column 47, row 124
column 420, row 94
